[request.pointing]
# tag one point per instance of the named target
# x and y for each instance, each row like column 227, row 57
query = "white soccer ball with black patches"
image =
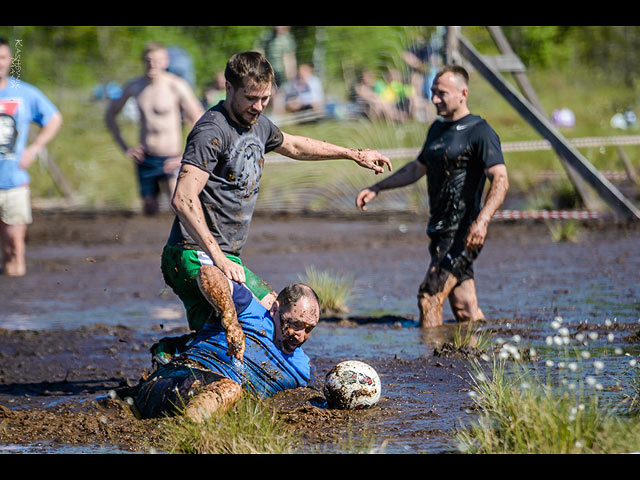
column 352, row 385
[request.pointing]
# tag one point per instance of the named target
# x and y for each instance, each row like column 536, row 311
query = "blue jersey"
column 20, row 105
column 265, row 370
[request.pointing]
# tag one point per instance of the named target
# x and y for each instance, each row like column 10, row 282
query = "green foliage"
column 251, row 426
column 334, row 290
column 519, row 412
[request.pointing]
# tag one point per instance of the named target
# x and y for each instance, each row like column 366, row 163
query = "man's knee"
column 215, row 398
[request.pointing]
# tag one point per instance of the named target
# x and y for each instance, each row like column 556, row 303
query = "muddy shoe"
column 168, row 347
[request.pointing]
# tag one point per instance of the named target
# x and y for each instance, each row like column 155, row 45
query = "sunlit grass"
column 564, row 231
column 250, row 427
column 333, row 289
column 470, row 335
column 524, row 408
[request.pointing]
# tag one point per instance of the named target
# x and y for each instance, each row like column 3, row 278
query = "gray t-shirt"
column 233, row 156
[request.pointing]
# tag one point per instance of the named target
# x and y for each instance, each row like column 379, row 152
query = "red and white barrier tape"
column 546, row 214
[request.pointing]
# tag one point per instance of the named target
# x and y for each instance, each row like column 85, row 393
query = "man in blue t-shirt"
column 20, row 105
column 460, row 152
column 245, row 347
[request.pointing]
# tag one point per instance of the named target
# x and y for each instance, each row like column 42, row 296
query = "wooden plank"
column 588, row 196
column 506, row 63
column 605, row 189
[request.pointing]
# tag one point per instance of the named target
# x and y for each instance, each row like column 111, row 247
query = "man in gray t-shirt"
column 233, row 156
column 219, row 181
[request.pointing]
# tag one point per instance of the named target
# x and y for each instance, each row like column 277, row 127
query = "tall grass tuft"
column 519, row 412
column 251, row 426
column 334, row 290
column 564, row 231
column 469, row 335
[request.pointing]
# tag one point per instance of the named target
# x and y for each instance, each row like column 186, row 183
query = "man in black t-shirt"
column 461, row 151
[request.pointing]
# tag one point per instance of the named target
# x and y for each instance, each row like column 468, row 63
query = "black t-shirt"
column 233, row 156
column 456, row 155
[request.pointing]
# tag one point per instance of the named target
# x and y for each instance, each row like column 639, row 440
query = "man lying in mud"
column 245, row 347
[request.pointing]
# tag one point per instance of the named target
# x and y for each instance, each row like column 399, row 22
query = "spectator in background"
column 20, row 105
column 216, row 91
column 396, row 93
column 423, row 60
column 369, row 101
column 304, row 92
column 279, row 47
column 162, row 99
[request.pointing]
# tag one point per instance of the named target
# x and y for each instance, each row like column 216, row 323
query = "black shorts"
column 450, row 256
column 170, row 388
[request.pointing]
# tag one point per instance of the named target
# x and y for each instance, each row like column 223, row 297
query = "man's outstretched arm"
column 410, row 173
column 304, row 148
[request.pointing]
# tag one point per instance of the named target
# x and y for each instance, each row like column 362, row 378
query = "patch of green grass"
column 564, row 231
column 521, row 413
column 470, row 335
column 251, row 426
column 333, row 289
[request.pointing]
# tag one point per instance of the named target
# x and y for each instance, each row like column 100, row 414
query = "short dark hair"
column 457, row 70
column 288, row 296
column 4, row 41
column 252, row 65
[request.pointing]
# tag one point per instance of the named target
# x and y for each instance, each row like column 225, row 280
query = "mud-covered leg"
column 434, row 290
column 214, row 285
column 464, row 302
column 215, row 397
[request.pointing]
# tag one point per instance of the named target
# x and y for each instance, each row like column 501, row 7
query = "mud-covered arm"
column 497, row 175
column 304, row 148
column 216, row 288
column 187, row 206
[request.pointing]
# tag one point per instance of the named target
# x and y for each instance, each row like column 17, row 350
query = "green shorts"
column 180, row 269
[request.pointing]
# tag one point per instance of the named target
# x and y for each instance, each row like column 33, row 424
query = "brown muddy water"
column 81, row 322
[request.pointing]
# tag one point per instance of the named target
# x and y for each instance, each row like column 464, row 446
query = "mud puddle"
column 82, row 320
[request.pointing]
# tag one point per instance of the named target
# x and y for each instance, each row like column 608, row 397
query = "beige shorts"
column 15, row 206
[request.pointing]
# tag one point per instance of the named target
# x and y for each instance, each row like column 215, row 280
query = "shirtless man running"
column 162, row 98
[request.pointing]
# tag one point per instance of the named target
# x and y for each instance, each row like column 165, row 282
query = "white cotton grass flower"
column 572, row 385
column 591, row 381
column 573, row 366
column 598, row 365
column 549, row 363
column 555, row 325
column 549, row 340
column 481, row 377
column 533, row 353
column 633, row 362
column 557, row 340
column 593, row 335
column 585, row 354
column 611, row 337
column 564, row 331
column 580, row 337
column 516, row 338
column 485, row 357
column 618, row 351
column 608, row 322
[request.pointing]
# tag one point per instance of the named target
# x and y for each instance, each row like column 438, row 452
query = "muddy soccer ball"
column 352, row 385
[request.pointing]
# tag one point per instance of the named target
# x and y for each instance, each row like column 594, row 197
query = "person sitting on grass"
column 245, row 347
